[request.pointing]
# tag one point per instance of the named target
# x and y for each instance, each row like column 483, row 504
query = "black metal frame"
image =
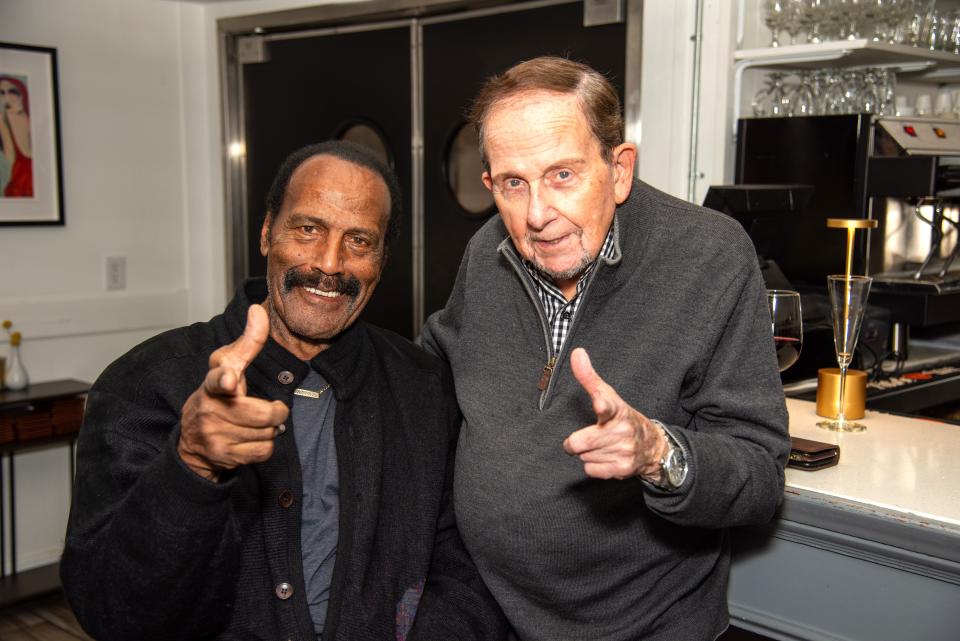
column 57, row 160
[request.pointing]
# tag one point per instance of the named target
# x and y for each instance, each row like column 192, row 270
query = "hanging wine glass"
column 818, row 85
column 851, row 87
column 802, row 101
column 777, row 95
column 760, row 101
column 848, row 302
column 772, row 100
column 886, row 91
column 869, row 100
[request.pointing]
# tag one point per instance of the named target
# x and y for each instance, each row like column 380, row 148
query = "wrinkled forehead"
column 339, row 183
column 537, row 125
column 534, row 102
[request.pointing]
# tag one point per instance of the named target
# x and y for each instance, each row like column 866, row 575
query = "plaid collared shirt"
column 559, row 310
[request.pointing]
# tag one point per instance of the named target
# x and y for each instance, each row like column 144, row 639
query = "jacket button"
column 285, row 377
column 283, row 591
column 286, row 498
column 281, row 428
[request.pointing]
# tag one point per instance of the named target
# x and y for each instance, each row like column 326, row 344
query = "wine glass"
column 869, row 102
column 874, row 15
column 833, row 94
column 792, row 22
column 848, row 301
column 775, row 19
column 787, row 324
column 813, row 19
column 772, row 99
column 802, row 100
column 849, row 11
column 777, row 98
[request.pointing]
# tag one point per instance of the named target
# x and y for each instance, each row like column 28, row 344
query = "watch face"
column 676, row 468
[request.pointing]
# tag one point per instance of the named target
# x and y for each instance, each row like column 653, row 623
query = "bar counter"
column 867, row 550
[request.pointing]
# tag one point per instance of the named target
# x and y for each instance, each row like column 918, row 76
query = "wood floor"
column 50, row 619
column 45, row 619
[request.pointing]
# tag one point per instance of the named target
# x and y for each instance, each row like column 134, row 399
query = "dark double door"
column 319, row 86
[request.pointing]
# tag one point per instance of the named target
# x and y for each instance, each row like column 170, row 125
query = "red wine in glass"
column 788, row 350
column 786, row 323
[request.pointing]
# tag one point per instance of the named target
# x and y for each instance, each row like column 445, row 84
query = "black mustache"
column 348, row 286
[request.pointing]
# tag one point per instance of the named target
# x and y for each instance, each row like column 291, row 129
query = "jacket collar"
column 344, row 364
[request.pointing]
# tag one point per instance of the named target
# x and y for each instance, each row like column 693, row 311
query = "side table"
column 42, row 415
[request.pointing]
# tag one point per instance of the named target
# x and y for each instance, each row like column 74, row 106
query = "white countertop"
column 904, row 465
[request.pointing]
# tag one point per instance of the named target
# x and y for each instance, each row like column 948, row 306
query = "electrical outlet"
column 116, row 272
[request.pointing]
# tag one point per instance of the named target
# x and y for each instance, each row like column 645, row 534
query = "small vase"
column 17, row 378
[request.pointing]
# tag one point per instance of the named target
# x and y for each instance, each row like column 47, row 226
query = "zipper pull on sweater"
column 546, row 374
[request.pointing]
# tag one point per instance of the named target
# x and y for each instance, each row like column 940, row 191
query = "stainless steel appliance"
column 902, row 172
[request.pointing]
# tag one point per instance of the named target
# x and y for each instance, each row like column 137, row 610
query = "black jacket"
column 153, row 551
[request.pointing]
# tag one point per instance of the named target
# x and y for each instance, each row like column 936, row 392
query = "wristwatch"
column 673, row 464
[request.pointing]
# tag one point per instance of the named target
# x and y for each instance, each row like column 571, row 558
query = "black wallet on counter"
column 812, row 455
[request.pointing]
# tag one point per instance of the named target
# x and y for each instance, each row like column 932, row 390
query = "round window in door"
column 463, row 169
column 367, row 135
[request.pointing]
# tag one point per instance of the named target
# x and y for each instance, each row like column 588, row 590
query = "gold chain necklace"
column 309, row 393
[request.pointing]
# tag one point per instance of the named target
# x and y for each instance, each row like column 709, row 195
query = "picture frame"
column 31, row 176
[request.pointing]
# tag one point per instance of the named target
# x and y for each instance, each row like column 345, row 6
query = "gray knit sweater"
column 677, row 323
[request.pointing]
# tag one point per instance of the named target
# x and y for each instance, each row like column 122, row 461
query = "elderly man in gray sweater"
column 615, row 368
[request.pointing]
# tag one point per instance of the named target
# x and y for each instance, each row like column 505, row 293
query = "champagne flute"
column 787, row 324
column 848, row 300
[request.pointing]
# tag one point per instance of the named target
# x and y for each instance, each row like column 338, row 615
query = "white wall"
column 121, row 117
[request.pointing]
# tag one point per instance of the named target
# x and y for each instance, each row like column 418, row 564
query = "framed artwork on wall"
column 31, row 181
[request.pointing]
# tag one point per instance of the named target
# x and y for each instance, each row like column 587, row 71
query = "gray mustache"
column 348, row 286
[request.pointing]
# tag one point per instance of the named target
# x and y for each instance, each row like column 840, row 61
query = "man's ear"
column 487, row 180
column 624, row 160
column 265, row 234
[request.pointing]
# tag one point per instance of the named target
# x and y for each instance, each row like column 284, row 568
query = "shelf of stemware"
column 851, row 53
column 923, row 65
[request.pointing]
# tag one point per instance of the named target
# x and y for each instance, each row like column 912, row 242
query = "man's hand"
column 623, row 442
column 221, row 427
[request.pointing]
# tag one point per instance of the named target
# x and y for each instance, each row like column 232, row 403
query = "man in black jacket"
column 281, row 471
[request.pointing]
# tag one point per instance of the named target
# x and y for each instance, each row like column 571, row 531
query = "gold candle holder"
column 828, row 393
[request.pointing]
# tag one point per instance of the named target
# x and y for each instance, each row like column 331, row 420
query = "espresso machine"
column 914, row 185
column 905, row 174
